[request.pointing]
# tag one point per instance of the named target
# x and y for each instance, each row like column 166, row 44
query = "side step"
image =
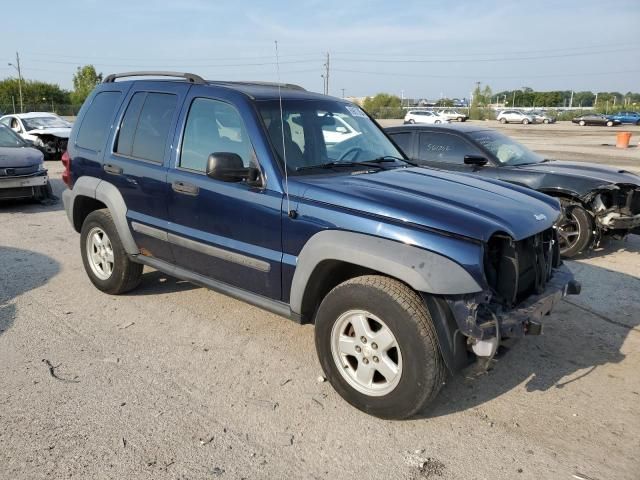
column 273, row 306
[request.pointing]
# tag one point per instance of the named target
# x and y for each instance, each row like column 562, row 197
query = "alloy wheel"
column 366, row 352
column 100, row 253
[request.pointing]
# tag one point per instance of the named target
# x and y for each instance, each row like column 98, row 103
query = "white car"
column 424, row 116
column 452, row 115
column 336, row 129
column 515, row 116
column 46, row 131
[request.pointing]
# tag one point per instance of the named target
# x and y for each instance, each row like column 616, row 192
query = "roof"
column 257, row 90
column 457, row 127
column 34, row 115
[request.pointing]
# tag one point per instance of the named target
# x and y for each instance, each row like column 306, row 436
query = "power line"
column 63, row 62
column 396, row 74
column 480, row 60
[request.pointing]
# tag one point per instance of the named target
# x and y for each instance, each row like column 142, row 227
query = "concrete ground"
column 174, row 381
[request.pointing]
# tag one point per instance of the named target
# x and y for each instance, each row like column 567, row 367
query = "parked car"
column 424, row 116
column 452, row 115
column 336, row 129
column 515, row 116
column 541, row 117
column 626, row 117
column 595, row 119
column 47, row 131
column 401, row 269
column 597, row 200
column 22, row 172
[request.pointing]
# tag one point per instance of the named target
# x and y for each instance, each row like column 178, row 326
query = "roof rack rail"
column 291, row 86
column 190, row 77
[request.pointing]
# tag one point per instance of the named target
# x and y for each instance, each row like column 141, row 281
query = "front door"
column 230, row 232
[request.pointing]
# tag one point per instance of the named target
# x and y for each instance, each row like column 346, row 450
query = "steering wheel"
column 350, row 151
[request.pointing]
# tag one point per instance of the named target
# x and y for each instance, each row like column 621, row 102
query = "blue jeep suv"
column 406, row 272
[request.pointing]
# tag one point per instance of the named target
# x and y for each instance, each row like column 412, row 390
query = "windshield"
column 9, row 139
column 318, row 132
column 34, row 123
column 506, row 150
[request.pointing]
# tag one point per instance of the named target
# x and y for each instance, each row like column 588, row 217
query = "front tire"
column 575, row 231
column 546, row 121
column 105, row 259
column 609, row 123
column 377, row 346
column 503, row 121
column 525, row 121
column 582, row 123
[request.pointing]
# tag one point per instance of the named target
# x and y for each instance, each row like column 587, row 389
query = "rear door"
column 137, row 160
column 226, row 231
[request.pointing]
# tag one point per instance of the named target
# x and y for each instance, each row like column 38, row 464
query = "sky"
column 419, row 49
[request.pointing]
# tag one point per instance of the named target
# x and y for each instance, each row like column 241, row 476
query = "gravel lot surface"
column 174, row 381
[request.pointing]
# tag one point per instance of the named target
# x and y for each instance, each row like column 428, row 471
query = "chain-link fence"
column 64, row 110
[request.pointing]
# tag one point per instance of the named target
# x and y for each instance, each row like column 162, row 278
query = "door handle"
column 185, row 188
column 112, row 169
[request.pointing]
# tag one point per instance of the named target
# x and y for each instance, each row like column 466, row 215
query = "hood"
column 62, row 132
column 592, row 173
column 457, row 203
column 15, row 157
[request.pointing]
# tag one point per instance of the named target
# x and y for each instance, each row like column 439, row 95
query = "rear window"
column 145, row 126
column 95, row 124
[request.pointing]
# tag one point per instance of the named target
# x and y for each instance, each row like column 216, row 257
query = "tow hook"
column 533, row 328
column 573, row 288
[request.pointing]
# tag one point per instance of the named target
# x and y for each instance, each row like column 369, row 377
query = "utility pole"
column 571, row 100
column 326, row 74
column 17, row 67
column 513, row 104
column 595, row 103
column 342, row 92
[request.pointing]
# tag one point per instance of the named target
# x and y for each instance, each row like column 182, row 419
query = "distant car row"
column 431, row 117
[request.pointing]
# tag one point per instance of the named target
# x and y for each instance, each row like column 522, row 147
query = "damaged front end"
column 50, row 145
column 526, row 279
column 616, row 208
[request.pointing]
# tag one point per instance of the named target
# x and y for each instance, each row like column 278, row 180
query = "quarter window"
column 403, row 140
column 213, row 126
column 443, row 147
column 96, row 122
column 145, row 126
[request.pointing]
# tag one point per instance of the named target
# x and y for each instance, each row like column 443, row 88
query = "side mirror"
column 477, row 160
column 228, row 167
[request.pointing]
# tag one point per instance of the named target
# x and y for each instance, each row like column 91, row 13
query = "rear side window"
column 145, row 126
column 95, row 124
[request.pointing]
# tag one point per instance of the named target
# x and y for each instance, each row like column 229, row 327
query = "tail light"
column 66, row 175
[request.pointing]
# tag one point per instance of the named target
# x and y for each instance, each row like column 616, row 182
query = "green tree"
column 36, row 95
column 84, row 81
column 384, row 105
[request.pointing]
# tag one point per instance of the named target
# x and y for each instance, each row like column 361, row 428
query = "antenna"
column 290, row 212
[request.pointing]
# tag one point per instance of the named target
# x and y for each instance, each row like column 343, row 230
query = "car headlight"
column 41, row 167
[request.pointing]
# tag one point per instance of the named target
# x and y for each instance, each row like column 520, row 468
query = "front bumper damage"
column 480, row 319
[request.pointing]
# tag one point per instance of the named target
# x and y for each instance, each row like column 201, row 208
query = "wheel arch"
column 331, row 257
column 91, row 193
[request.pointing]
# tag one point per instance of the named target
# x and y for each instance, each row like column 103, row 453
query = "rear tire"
column 525, row 121
column 575, row 231
column 377, row 346
column 546, row 120
column 105, row 259
column 609, row 123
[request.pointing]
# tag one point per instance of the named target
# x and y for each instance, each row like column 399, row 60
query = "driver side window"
column 213, row 126
column 444, row 147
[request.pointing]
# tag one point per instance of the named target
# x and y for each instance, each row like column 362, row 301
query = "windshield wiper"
column 342, row 164
column 391, row 158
